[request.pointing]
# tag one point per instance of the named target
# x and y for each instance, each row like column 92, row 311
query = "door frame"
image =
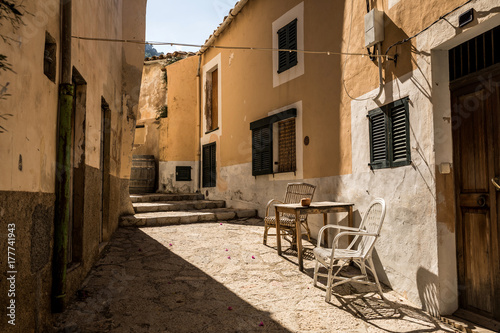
column 493, row 165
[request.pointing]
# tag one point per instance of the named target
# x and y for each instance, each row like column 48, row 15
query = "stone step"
column 155, row 197
column 167, row 206
column 183, row 217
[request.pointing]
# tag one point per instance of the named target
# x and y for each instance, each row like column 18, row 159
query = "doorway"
column 475, row 101
column 77, row 184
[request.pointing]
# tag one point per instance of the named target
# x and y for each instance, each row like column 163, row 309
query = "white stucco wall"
column 167, row 182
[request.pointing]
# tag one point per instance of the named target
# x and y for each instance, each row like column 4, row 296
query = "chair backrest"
column 372, row 223
column 297, row 191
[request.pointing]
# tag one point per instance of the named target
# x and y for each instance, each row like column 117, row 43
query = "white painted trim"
column 296, row 12
column 299, row 148
column 209, row 67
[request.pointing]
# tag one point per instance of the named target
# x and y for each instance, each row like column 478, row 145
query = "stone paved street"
column 214, row 277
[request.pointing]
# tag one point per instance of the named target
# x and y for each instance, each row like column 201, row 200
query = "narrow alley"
column 219, row 277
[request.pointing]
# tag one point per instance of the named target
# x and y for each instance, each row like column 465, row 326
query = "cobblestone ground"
column 215, row 277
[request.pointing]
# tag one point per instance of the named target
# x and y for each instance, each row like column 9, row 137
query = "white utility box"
column 374, row 27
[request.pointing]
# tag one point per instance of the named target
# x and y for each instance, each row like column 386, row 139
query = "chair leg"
column 316, row 269
column 362, row 266
column 329, row 285
column 370, row 262
column 266, row 229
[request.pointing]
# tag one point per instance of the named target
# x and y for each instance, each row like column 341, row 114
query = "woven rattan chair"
column 358, row 251
column 294, row 192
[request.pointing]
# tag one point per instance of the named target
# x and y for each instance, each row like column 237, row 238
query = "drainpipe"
column 198, row 75
column 63, row 175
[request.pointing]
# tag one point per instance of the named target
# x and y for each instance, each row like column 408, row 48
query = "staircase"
column 153, row 210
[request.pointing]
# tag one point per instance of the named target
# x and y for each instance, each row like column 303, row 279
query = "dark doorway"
column 105, row 166
column 77, row 185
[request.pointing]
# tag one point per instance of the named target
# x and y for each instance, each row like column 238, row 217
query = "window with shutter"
column 287, row 40
column 262, row 143
column 209, row 173
column 389, row 135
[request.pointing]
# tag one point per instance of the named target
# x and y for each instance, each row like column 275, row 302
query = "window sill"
column 277, row 173
column 215, row 129
column 284, row 172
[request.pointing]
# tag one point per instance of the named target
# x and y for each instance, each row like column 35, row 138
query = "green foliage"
column 165, row 77
column 162, row 112
column 174, row 59
column 150, row 51
column 4, row 116
column 10, row 13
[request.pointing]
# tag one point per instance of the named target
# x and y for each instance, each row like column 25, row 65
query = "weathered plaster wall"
column 153, row 89
column 178, row 139
column 167, row 181
column 146, row 141
column 28, row 148
column 153, row 95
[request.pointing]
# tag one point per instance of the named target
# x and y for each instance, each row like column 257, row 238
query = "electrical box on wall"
column 374, row 27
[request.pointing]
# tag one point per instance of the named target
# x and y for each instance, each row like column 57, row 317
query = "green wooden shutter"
column 287, row 39
column 390, row 135
column 378, row 139
column 262, row 150
column 209, row 173
column 399, row 133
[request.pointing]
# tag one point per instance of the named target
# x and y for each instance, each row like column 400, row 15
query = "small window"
column 287, row 40
column 390, row 135
column 49, row 57
column 262, row 143
column 183, row 173
column 209, row 165
column 212, row 101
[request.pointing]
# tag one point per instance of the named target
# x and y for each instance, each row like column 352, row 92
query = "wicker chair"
column 294, row 192
column 358, row 251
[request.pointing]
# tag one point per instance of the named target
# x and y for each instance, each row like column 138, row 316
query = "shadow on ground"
column 219, row 277
column 139, row 285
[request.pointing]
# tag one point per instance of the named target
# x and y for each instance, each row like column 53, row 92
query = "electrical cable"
column 442, row 17
column 220, row 46
column 371, row 55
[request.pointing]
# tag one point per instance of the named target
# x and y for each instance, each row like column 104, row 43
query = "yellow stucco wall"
column 248, row 93
column 178, row 139
column 31, row 131
column 247, row 82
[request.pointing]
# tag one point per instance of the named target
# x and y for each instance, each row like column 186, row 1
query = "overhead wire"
column 442, row 17
column 221, row 46
column 347, row 57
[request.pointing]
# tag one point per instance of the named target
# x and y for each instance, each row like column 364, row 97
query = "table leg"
column 278, row 231
column 325, row 222
column 299, row 240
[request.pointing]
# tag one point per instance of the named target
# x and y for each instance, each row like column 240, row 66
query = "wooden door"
column 476, row 138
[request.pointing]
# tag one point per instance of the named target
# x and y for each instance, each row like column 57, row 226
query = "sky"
column 184, row 21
